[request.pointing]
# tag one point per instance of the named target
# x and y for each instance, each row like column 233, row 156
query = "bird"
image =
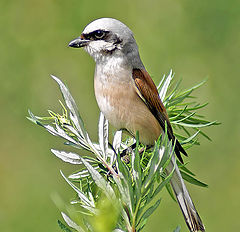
column 129, row 99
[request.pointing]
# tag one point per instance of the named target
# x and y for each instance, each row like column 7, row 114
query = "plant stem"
column 135, row 215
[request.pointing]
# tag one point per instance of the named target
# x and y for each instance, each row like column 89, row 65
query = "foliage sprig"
column 112, row 195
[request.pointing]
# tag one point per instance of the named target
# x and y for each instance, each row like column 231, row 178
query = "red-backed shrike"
column 128, row 97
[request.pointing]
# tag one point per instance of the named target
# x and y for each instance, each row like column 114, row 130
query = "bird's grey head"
column 107, row 37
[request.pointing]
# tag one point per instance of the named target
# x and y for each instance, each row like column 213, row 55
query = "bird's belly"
column 125, row 110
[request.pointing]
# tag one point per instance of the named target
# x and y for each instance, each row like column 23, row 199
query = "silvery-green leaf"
column 79, row 175
column 137, row 174
column 63, row 134
column 100, row 181
column 74, row 202
column 94, row 148
column 103, row 134
column 84, row 172
column 51, row 130
column 81, row 140
column 32, row 117
column 59, row 132
column 91, row 209
column 91, row 198
column 109, row 151
column 81, row 195
column 117, row 139
column 168, row 153
column 68, row 157
column 165, row 86
column 126, row 220
column 78, row 146
column 71, row 223
column 74, row 114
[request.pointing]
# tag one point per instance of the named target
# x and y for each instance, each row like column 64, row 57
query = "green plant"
column 112, row 194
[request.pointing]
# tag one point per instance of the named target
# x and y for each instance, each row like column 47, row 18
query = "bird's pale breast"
column 119, row 102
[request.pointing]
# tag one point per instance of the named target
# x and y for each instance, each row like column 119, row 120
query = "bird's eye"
column 99, row 34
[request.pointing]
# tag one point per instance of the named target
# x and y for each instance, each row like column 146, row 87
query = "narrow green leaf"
column 185, row 117
column 205, row 135
column 124, row 184
column 170, row 191
column 194, row 87
column 195, row 125
column 163, row 183
column 199, row 106
column 137, row 171
column 189, row 139
column 173, row 118
column 153, row 166
column 184, row 168
column 142, row 224
column 149, row 212
column 192, row 180
column 63, row 227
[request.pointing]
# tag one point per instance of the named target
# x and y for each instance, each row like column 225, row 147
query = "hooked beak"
column 78, row 43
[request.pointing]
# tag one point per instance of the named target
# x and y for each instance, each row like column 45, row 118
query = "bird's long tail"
column 189, row 211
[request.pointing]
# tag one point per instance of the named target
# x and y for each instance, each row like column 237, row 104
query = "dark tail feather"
column 178, row 150
column 189, row 211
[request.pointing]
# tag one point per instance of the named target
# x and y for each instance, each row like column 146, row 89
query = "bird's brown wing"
column 148, row 92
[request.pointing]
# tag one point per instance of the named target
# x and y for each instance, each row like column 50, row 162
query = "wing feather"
column 147, row 91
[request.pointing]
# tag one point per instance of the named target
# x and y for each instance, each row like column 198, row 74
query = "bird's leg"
column 125, row 153
column 128, row 150
column 124, row 156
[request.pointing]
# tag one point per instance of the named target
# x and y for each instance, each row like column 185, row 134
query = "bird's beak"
column 78, row 43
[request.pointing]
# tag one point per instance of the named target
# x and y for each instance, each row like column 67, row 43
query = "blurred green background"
column 196, row 38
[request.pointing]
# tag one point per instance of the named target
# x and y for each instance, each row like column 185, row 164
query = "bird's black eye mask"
column 96, row 35
column 102, row 35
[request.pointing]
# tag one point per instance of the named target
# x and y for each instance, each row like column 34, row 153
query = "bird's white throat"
column 113, row 68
